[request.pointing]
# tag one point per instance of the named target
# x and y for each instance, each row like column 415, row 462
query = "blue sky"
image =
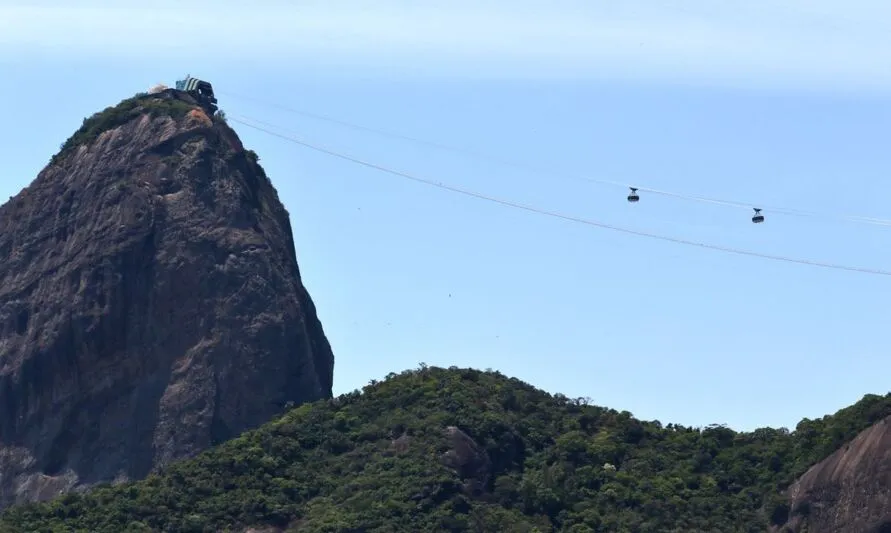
column 776, row 105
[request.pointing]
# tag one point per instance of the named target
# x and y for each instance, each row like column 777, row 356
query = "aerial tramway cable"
column 636, row 190
column 555, row 214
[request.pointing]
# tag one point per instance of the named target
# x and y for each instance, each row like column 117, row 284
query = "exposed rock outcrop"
column 468, row 459
column 849, row 491
column 150, row 302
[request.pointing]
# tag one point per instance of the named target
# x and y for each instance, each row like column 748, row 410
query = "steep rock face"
column 150, row 302
column 849, row 491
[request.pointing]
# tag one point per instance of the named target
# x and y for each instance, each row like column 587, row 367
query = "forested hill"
column 464, row 450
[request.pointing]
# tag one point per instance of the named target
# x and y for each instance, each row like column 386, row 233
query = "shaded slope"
column 462, row 450
column 150, row 302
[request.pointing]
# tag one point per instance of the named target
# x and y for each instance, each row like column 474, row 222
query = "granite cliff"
column 849, row 491
column 151, row 304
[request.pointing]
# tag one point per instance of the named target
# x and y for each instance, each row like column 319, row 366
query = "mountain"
column 150, row 302
column 848, row 491
column 436, row 449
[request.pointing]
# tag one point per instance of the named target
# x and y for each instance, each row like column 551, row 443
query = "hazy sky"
column 759, row 41
column 781, row 104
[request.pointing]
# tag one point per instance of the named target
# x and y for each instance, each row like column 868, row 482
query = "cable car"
column 633, row 196
column 757, row 218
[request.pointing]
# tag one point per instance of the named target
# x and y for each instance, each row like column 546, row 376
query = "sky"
column 762, row 103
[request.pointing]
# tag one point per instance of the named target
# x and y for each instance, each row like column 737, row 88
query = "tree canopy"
column 386, row 459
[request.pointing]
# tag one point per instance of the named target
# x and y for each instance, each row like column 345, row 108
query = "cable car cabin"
column 633, row 196
column 757, row 218
column 200, row 89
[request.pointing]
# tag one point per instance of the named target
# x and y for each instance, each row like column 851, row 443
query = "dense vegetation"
column 117, row 115
column 374, row 462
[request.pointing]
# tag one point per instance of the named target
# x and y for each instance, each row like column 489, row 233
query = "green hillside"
column 384, row 461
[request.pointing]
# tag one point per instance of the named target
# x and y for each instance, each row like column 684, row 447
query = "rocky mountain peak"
column 150, row 301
